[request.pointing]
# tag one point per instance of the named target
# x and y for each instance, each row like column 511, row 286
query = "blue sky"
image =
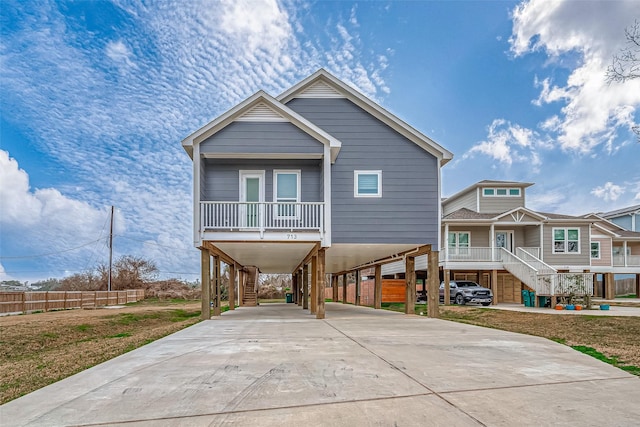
column 96, row 97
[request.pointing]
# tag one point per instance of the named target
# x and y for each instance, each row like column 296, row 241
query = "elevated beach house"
column 319, row 179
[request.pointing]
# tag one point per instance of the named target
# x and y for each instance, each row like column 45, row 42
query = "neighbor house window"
column 459, row 242
column 367, row 184
column 595, row 250
column 286, row 193
column 501, row 192
column 566, row 240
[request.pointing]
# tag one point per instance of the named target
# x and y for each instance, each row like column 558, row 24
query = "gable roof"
column 323, row 84
column 630, row 210
column 487, row 183
column 464, row 214
column 261, row 105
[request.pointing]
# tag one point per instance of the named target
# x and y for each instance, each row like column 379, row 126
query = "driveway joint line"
column 405, row 374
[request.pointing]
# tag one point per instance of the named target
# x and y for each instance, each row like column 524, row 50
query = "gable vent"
column 320, row 89
column 260, row 112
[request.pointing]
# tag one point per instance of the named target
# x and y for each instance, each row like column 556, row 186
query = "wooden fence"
column 27, row 302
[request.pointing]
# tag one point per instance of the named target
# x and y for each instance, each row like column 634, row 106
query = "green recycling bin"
column 289, row 297
column 542, row 301
column 525, row 298
column 532, row 299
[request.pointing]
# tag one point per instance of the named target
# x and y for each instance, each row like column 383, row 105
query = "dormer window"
column 501, row 192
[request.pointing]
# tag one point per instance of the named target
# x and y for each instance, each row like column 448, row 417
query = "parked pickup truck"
column 464, row 291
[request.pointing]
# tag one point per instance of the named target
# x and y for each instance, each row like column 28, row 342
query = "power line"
column 51, row 253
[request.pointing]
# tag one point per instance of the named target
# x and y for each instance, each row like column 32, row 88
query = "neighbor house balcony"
column 263, row 220
column 626, row 261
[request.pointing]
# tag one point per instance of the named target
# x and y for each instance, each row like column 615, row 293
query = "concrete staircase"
column 250, row 295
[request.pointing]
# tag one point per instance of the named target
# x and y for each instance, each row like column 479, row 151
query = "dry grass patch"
column 612, row 338
column 40, row 349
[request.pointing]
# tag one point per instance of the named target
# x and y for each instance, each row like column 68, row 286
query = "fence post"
column 46, row 301
column 24, row 303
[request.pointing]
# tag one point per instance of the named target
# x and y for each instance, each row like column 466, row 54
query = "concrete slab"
column 626, row 311
column 278, row 365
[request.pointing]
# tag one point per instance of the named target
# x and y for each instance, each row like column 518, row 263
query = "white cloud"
column 609, row 192
column 593, row 113
column 119, row 53
column 508, row 143
column 118, row 139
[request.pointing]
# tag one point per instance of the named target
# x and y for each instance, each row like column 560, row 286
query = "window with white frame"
column 566, row 241
column 459, row 242
column 367, row 183
column 595, row 250
column 501, row 192
column 286, row 193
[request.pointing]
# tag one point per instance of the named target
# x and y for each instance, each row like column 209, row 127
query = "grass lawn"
column 40, row 349
column 611, row 339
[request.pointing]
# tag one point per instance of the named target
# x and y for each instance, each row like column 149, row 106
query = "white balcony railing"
column 261, row 216
column 578, row 284
column 528, row 256
column 470, row 254
column 631, row 261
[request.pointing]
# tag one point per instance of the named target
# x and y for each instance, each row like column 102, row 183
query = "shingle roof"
column 628, row 209
column 465, row 213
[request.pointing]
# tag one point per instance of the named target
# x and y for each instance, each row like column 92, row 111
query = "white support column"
column 541, row 242
column 492, row 241
column 197, row 232
column 624, row 251
column 326, row 175
column 446, row 243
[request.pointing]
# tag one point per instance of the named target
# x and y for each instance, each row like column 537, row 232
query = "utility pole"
column 110, row 250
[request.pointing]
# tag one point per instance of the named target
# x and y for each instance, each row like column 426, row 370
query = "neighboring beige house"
column 490, row 236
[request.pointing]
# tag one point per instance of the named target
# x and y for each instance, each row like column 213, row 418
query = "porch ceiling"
column 268, row 257
column 283, row 257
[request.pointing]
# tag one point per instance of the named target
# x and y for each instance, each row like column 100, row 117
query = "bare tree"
column 626, row 65
column 132, row 272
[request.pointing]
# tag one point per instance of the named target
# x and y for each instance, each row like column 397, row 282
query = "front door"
column 504, row 239
column 251, row 194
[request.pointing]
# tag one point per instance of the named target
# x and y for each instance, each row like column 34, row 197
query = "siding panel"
column 223, row 178
column 407, row 213
column 467, row 200
column 262, row 138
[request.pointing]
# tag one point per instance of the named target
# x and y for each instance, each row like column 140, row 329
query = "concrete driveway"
column 276, row 365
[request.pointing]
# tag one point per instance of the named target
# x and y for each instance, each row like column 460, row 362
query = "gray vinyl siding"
column 467, row 200
column 498, row 204
column 222, row 178
column 261, row 138
column 407, row 213
column 582, row 259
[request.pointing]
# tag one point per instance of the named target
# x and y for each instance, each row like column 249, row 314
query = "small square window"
column 501, row 191
column 367, row 184
column 514, row 192
column 488, row 192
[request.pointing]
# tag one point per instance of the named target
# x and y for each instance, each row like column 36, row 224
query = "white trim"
column 196, row 197
column 326, row 175
column 591, row 249
column 231, row 115
column 356, row 192
column 507, row 189
column 251, row 174
column 510, row 237
column 457, row 246
column 271, row 156
column 566, row 240
column 372, row 108
column 298, row 174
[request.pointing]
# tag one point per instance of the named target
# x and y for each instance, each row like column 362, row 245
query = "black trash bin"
column 289, row 297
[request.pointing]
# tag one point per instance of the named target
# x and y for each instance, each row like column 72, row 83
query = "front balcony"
column 626, row 261
column 262, row 221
